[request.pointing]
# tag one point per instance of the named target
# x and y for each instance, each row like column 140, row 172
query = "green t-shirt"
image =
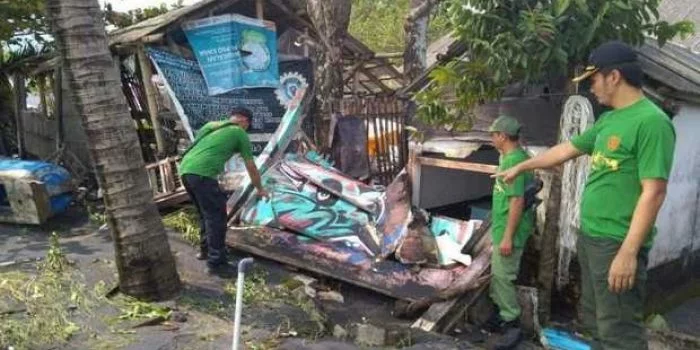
column 626, row 146
column 211, row 152
column 502, row 192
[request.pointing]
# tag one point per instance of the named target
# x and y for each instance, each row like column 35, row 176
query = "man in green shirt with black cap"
column 214, row 144
column 631, row 148
column 511, row 225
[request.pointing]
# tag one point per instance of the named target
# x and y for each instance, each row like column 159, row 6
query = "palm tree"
column 144, row 261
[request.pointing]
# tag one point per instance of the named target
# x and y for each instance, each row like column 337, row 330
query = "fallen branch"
column 12, row 311
column 150, row 322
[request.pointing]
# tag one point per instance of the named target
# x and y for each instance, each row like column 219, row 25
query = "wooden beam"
column 146, row 74
column 20, row 103
column 58, row 104
column 292, row 14
column 388, row 55
column 275, row 245
column 172, row 199
column 153, row 38
column 375, row 80
column 259, row 9
column 442, row 317
column 458, row 165
column 351, row 72
column 414, row 171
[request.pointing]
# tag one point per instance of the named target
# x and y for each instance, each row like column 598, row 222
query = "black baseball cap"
column 610, row 54
column 242, row 111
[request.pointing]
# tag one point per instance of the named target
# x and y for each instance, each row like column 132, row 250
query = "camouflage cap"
column 505, row 124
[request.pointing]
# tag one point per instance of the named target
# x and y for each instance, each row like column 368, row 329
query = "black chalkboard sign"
column 184, row 78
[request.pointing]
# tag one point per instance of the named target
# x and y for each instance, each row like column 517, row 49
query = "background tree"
column 330, row 19
column 416, row 34
column 145, row 264
column 125, row 19
column 530, row 40
column 380, row 24
column 21, row 17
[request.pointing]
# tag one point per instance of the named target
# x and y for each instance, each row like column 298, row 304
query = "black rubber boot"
column 510, row 337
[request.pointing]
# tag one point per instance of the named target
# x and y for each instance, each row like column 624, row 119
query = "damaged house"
column 167, row 93
column 420, row 232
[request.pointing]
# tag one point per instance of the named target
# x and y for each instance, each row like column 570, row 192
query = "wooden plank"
column 29, row 201
column 445, row 313
column 146, row 74
column 259, row 9
column 168, row 176
column 20, row 102
column 442, row 317
column 172, row 199
column 458, row 165
column 58, row 105
column 153, row 180
column 375, row 80
column 414, row 171
column 284, row 247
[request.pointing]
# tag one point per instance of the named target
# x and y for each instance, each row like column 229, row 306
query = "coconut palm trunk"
column 144, row 261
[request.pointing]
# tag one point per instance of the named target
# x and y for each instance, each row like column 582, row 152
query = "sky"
column 125, row 5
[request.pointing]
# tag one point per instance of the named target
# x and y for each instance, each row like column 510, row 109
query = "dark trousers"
column 614, row 320
column 210, row 202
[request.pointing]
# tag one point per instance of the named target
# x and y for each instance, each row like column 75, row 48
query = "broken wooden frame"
column 29, row 202
column 447, row 309
column 165, row 182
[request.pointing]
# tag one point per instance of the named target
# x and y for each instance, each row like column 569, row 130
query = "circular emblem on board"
column 290, row 83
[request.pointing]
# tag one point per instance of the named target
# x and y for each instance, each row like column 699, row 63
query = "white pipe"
column 239, row 301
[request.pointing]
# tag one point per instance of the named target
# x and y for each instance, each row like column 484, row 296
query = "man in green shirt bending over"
column 214, row 144
column 631, row 150
column 511, row 226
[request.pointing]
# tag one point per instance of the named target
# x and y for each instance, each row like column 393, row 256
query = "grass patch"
column 96, row 216
column 255, row 288
column 257, row 291
column 136, row 309
column 55, row 259
column 37, row 309
column 52, row 305
column 185, row 221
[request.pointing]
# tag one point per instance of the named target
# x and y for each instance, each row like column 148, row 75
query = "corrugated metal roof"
column 673, row 65
column 139, row 30
column 375, row 75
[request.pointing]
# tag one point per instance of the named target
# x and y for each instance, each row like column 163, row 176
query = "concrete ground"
column 207, row 301
column 208, row 304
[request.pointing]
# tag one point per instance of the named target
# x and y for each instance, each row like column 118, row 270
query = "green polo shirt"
column 502, row 193
column 213, row 149
column 626, row 145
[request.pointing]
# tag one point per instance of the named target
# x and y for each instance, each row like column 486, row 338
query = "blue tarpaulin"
column 55, row 179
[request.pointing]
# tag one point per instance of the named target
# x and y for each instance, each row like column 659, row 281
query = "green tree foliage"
column 21, row 17
column 125, row 19
column 529, row 40
column 379, row 23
